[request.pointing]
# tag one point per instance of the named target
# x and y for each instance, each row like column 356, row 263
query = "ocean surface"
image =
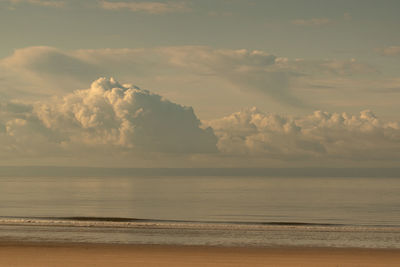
column 202, row 210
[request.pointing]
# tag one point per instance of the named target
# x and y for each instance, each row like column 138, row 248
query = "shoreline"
column 29, row 254
column 5, row 243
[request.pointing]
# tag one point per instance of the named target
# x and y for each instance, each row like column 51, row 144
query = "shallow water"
column 358, row 212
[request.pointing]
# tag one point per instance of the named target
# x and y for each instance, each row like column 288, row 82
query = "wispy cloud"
column 389, row 51
column 146, row 6
column 219, row 14
column 321, row 21
column 312, row 22
column 47, row 3
column 347, row 16
column 254, row 72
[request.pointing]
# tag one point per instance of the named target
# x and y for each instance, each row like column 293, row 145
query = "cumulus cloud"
column 321, row 135
column 113, row 119
column 107, row 115
column 149, row 7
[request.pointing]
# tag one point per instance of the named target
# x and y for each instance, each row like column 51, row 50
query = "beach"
column 199, row 221
column 65, row 254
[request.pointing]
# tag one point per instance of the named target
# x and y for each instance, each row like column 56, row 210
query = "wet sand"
column 43, row 255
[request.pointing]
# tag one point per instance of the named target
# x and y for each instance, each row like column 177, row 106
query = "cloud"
column 312, row 22
column 248, row 70
column 321, row 135
column 108, row 116
column 46, row 3
column 253, row 71
column 123, row 121
column 338, row 68
column 389, row 51
column 321, row 21
column 347, row 16
column 219, row 14
column 47, row 70
column 146, row 6
column 48, row 61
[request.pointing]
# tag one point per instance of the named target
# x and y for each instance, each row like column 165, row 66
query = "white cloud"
column 321, row 135
column 106, row 116
column 123, row 121
column 146, row 6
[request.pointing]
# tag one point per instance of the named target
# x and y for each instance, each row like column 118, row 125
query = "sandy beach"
column 43, row 255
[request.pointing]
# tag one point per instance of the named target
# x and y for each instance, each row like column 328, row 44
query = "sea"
column 233, row 209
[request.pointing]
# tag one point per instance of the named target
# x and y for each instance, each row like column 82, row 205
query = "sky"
column 200, row 83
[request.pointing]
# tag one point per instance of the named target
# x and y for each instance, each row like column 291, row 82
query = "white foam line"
column 189, row 225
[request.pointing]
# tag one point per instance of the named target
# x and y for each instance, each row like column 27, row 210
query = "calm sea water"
column 259, row 211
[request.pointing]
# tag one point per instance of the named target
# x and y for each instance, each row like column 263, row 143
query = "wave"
column 121, row 222
column 126, row 219
column 122, row 219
